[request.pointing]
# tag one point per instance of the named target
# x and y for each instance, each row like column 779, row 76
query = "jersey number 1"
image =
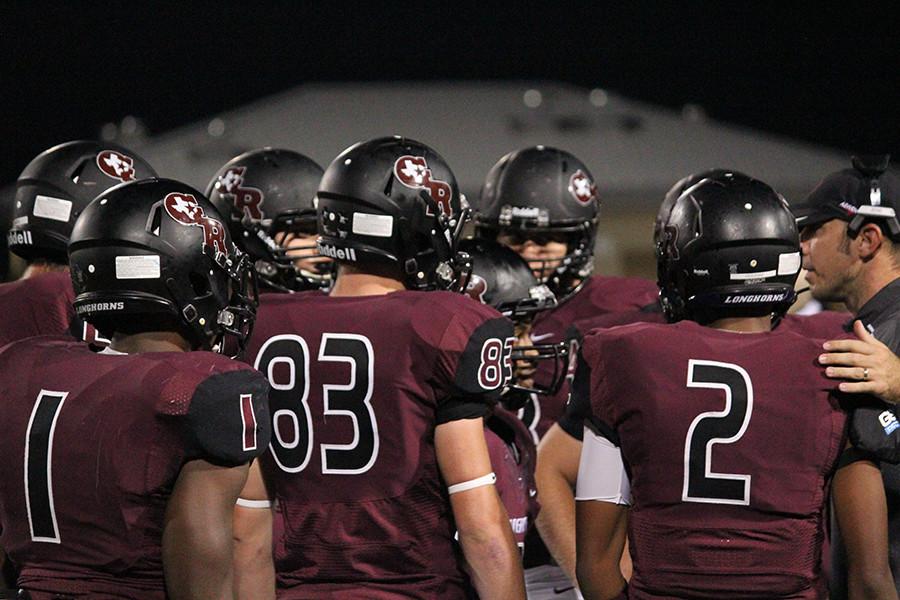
column 727, row 426
column 38, row 457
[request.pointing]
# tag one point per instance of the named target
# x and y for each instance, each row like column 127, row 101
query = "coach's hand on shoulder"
column 867, row 365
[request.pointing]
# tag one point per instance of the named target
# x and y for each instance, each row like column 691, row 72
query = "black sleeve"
column 851, row 455
column 229, row 422
column 578, row 408
column 874, row 430
column 456, row 408
column 485, row 366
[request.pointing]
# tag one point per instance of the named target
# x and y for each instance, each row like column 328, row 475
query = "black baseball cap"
column 866, row 192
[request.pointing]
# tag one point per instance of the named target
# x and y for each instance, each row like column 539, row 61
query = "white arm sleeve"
column 601, row 472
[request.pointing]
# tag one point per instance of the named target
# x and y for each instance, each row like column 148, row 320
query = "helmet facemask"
column 502, row 279
column 522, row 315
column 297, row 260
column 563, row 274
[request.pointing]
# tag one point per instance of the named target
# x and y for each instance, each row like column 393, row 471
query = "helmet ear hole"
column 75, row 175
column 199, row 283
column 155, row 220
column 57, row 186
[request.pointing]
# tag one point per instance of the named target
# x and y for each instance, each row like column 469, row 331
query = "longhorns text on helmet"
column 158, row 247
column 726, row 242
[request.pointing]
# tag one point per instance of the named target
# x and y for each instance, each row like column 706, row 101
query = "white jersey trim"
column 110, row 352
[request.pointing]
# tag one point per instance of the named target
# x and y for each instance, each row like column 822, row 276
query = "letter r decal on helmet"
column 185, row 209
column 413, row 172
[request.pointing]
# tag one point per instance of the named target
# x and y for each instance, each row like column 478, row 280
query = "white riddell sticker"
column 789, row 263
column 137, row 267
column 19, row 221
column 52, row 208
column 374, row 225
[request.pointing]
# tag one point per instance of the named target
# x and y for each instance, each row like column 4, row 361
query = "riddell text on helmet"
column 337, row 253
column 18, row 237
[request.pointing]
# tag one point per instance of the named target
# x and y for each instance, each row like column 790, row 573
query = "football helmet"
column 729, row 247
column 662, row 216
column 502, row 279
column 57, row 185
column 394, row 202
column 543, row 192
column 156, row 253
column 266, row 192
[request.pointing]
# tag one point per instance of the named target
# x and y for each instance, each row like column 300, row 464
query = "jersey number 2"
column 289, row 402
column 727, row 426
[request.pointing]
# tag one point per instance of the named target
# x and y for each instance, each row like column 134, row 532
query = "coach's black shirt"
column 871, row 429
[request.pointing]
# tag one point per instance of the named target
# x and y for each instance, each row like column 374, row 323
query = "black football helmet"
column 263, row 193
column 662, row 216
column 543, row 191
column 394, row 202
column 729, row 247
column 57, row 185
column 502, row 279
column 157, row 253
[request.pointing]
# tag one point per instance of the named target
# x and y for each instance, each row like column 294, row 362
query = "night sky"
column 828, row 78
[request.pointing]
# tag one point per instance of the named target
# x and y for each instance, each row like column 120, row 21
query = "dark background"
column 831, row 78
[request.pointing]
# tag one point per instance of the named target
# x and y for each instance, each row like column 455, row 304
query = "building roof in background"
column 634, row 150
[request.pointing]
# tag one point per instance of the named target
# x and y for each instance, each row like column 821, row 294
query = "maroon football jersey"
column 42, row 305
column 578, row 406
column 575, row 408
column 825, row 325
column 92, row 446
column 598, row 296
column 358, row 387
column 39, row 305
column 513, row 456
column 729, row 440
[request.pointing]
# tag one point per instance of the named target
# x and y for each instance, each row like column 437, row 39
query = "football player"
column 695, row 445
column 542, row 202
column 122, row 467
column 268, row 198
column 378, row 456
column 500, row 278
column 51, row 192
column 560, row 448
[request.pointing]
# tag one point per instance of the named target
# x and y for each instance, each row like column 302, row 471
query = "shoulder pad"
column 228, row 422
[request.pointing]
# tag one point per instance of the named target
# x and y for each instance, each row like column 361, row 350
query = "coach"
column 850, row 239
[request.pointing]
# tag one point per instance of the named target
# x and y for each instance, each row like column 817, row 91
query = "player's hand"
column 867, row 365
